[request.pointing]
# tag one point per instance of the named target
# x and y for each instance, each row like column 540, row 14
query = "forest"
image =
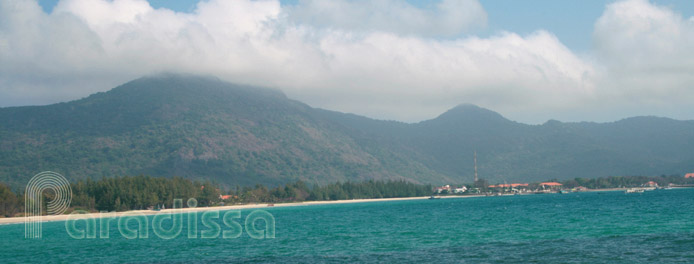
column 146, row 192
column 237, row 134
column 626, row 181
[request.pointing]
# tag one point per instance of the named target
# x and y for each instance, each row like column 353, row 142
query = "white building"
column 460, row 190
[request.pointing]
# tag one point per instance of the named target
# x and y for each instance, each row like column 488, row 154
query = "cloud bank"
column 384, row 59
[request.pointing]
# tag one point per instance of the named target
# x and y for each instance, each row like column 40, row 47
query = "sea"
column 586, row 227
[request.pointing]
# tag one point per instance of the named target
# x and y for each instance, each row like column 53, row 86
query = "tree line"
column 120, row 194
column 140, row 192
column 146, row 192
column 604, row 182
column 626, row 181
column 11, row 204
column 299, row 191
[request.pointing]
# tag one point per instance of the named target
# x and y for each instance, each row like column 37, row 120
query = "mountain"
column 197, row 127
column 204, row 128
column 516, row 152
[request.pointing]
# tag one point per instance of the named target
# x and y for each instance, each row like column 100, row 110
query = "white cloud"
column 646, row 52
column 390, row 63
column 386, row 74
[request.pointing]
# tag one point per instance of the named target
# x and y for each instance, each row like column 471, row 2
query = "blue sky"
column 571, row 20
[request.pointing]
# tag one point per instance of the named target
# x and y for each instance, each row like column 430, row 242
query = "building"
column 550, row 185
column 651, row 184
column 689, row 175
column 580, row 189
column 225, row 197
column 512, row 185
column 460, row 190
column 446, row 188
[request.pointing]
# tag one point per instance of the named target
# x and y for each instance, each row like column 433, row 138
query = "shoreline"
column 65, row 217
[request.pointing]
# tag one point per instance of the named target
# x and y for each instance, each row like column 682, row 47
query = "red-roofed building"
column 689, row 175
column 227, row 197
column 651, row 184
column 512, row 185
column 550, row 184
column 441, row 189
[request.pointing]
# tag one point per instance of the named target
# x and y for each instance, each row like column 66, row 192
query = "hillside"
column 511, row 151
column 195, row 127
column 203, row 128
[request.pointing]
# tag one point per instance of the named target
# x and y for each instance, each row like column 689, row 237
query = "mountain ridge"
column 205, row 128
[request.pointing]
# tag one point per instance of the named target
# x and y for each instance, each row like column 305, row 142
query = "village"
column 482, row 187
column 504, row 189
column 539, row 188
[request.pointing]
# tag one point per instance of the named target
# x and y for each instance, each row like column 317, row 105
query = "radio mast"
column 475, row 165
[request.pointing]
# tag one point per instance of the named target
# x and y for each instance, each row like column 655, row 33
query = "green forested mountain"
column 202, row 128
column 194, row 127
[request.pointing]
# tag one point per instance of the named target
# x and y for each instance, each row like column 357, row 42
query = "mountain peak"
column 467, row 106
column 470, row 113
column 173, row 76
column 187, row 89
column 170, row 81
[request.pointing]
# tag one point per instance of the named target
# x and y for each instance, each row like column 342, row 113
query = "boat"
column 434, row 198
column 564, row 191
column 634, row 190
column 270, row 205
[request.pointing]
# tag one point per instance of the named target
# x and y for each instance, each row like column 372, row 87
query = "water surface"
column 602, row 227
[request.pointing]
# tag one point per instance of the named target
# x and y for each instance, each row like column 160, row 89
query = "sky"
column 531, row 61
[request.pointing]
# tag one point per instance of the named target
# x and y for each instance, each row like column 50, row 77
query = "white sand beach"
column 64, row 217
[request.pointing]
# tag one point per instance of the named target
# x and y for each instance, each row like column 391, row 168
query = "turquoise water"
column 605, row 227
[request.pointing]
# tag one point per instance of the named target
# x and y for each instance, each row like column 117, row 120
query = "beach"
column 64, row 217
